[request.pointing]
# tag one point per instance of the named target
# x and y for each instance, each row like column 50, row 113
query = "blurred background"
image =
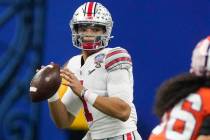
column 159, row 34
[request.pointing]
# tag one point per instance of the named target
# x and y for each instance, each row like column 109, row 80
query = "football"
column 45, row 83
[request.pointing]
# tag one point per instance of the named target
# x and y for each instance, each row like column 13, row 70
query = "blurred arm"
column 59, row 114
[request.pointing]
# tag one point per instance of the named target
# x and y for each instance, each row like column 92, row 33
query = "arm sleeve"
column 205, row 127
column 120, row 84
column 71, row 102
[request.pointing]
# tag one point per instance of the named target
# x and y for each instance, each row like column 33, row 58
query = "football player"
column 183, row 101
column 99, row 79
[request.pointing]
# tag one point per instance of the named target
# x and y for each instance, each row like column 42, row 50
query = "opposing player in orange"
column 100, row 80
column 183, row 102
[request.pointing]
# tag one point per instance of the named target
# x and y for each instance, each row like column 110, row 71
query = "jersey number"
column 181, row 123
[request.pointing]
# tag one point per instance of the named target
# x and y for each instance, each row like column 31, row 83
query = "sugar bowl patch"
column 99, row 59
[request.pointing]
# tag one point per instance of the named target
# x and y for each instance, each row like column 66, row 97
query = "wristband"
column 83, row 92
column 54, row 98
column 89, row 97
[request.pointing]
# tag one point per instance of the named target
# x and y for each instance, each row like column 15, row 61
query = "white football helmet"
column 92, row 13
column 200, row 62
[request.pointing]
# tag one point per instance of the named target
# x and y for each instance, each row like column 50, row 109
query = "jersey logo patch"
column 91, row 71
column 98, row 60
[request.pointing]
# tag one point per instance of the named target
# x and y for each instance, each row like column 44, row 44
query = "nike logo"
column 91, row 71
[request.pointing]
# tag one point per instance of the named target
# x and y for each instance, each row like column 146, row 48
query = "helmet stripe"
column 94, row 9
column 84, row 10
column 207, row 56
column 90, row 9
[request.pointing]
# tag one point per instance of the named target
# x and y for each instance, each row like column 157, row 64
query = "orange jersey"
column 184, row 120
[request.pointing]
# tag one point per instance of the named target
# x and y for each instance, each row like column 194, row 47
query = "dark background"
column 159, row 34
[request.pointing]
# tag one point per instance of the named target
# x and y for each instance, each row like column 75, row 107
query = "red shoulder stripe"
column 117, row 60
column 116, row 52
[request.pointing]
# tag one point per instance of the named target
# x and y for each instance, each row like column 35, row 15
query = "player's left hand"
column 71, row 81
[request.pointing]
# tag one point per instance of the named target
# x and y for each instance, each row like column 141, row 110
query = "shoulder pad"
column 74, row 63
column 117, row 58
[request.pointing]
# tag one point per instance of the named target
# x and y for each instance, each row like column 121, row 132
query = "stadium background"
column 159, row 34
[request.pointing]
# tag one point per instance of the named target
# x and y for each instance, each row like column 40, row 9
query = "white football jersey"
column 106, row 73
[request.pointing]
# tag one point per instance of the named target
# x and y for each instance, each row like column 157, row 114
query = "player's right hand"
column 71, row 81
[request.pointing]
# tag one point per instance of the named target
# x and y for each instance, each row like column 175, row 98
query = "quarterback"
column 183, row 101
column 100, row 80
